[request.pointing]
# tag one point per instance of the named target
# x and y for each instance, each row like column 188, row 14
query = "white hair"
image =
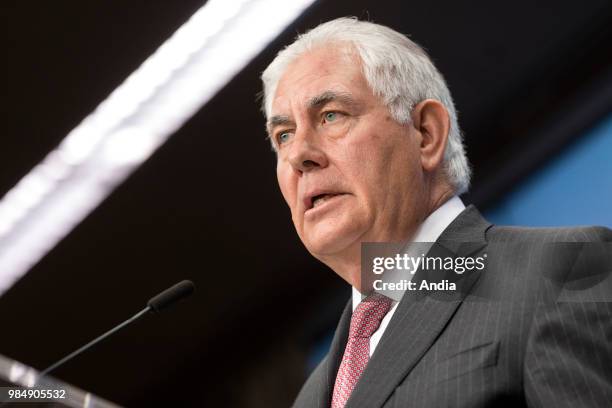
column 397, row 70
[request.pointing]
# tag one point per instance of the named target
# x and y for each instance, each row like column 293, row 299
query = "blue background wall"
column 574, row 188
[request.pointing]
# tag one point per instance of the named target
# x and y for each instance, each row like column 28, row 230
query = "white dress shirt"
column 429, row 231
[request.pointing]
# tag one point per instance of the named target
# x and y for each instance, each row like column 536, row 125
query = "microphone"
column 156, row 304
column 171, row 295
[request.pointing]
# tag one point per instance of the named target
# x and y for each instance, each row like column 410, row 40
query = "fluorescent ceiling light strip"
column 199, row 59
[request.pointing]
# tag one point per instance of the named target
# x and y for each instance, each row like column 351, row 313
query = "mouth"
column 319, row 199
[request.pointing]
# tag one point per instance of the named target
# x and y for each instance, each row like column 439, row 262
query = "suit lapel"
column 317, row 391
column 420, row 317
column 336, row 351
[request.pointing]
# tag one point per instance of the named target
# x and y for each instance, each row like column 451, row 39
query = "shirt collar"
column 431, row 229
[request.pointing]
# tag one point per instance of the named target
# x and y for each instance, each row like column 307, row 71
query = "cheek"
column 380, row 169
column 287, row 186
column 369, row 165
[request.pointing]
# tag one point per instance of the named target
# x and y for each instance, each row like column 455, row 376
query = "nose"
column 306, row 153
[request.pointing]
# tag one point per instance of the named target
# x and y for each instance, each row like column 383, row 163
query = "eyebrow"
column 278, row 120
column 313, row 103
column 331, row 96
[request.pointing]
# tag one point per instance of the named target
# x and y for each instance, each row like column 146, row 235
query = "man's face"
column 348, row 171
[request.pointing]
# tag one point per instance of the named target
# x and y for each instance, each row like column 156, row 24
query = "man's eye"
column 330, row 116
column 283, row 137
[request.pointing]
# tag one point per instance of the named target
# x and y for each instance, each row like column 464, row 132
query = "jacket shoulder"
column 500, row 233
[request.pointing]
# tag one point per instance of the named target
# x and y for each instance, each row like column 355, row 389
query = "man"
column 369, row 150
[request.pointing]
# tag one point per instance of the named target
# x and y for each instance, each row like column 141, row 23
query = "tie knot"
column 368, row 315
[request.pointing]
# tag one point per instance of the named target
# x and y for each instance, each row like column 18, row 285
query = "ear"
column 430, row 118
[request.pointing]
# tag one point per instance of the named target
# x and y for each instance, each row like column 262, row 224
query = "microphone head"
column 171, row 295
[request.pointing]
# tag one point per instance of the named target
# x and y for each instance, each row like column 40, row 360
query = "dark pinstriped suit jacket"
column 501, row 343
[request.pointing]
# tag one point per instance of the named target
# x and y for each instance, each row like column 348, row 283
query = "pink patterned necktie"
column 364, row 322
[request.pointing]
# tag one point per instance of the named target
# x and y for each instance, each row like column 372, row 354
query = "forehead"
column 324, row 69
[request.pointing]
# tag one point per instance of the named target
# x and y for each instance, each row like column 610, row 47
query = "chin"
column 330, row 242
